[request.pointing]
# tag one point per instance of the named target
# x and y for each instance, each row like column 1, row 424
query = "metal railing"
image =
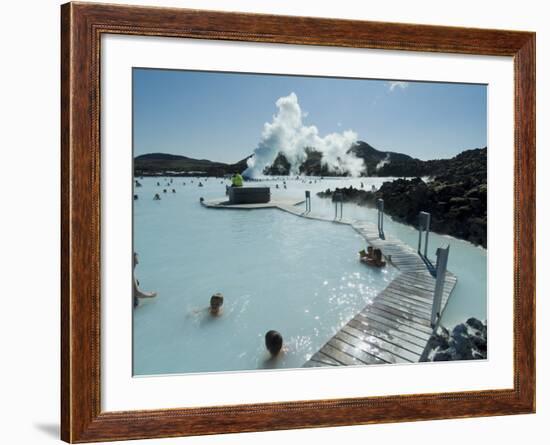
column 338, row 198
column 442, row 254
column 380, row 207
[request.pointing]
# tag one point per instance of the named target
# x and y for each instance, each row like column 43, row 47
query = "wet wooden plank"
column 404, row 305
column 422, row 324
column 399, row 290
column 409, row 342
column 412, row 291
column 365, row 337
column 423, row 285
column 341, row 354
column 396, row 295
column 361, row 352
column 322, row 359
column 393, row 323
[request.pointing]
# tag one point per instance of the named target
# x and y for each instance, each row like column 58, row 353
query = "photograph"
column 283, row 219
column 289, row 221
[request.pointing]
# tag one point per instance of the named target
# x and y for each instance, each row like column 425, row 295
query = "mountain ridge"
column 378, row 163
column 156, row 164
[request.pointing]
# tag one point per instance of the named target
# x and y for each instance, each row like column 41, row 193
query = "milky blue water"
column 275, row 270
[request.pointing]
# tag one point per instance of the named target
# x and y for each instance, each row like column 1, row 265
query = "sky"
column 221, row 116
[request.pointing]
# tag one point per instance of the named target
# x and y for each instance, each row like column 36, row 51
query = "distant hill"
column 469, row 162
column 376, row 160
column 378, row 163
column 153, row 164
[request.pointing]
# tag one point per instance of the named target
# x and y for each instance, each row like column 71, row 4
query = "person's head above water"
column 216, row 303
column 273, row 342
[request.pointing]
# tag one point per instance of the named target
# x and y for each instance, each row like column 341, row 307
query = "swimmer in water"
column 156, row 197
column 216, row 303
column 214, row 309
column 273, row 342
column 137, row 292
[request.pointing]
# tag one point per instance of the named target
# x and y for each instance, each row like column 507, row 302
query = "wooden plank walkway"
column 395, row 327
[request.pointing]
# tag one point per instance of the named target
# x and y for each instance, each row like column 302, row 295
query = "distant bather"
column 236, row 180
column 372, row 257
column 216, row 303
column 137, row 293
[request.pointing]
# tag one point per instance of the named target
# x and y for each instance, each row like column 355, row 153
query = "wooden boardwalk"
column 393, row 328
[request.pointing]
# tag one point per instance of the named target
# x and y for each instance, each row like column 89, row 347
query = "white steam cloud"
column 383, row 162
column 393, row 85
column 287, row 134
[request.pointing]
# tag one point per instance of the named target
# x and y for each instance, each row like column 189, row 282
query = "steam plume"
column 287, row 134
column 383, row 162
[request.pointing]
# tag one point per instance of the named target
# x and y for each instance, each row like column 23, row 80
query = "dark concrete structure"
column 249, row 195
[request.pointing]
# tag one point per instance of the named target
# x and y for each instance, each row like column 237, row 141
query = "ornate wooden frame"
column 81, row 28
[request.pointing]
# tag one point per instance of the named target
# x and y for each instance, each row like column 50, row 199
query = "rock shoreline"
column 456, row 198
column 466, row 341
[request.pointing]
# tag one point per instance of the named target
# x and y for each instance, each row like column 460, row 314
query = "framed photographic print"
column 275, row 222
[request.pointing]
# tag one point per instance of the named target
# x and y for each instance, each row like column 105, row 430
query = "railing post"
column 424, row 219
column 338, row 198
column 427, row 228
column 442, row 254
column 380, row 207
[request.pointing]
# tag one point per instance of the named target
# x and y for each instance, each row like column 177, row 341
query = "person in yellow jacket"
column 236, row 180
